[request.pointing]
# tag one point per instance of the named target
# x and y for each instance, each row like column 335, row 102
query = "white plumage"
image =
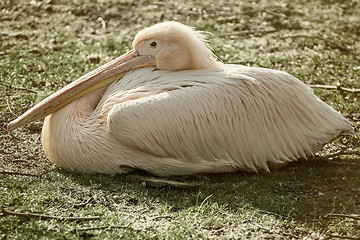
column 212, row 118
column 183, row 122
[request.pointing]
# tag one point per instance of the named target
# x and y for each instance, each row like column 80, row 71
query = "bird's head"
column 168, row 46
column 175, row 46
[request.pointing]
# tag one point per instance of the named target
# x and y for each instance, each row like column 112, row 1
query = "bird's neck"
column 66, row 128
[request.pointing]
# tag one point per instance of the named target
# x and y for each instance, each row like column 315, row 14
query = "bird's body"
column 184, row 122
column 185, row 114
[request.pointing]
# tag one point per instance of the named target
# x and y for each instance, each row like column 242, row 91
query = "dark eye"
column 153, row 44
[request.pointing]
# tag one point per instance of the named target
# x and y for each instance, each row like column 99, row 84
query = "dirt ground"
column 46, row 44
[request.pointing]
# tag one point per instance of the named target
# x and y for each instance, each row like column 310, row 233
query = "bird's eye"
column 153, row 44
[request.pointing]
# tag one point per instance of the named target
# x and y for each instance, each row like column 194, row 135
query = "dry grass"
column 46, row 44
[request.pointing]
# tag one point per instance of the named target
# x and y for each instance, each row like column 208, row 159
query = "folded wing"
column 241, row 118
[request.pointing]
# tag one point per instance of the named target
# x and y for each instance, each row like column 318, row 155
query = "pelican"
column 170, row 107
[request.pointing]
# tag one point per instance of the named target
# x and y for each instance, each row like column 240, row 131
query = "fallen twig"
column 329, row 219
column 44, row 217
column 341, row 153
column 13, row 34
column 25, row 174
column 19, row 88
column 8, row 105
column 18, row 173
column 17, row 161
column 330, row 236
column 161, row 182
column 246, row 32
column 335, row 215
column 337, row 87
column 12, row 135
column 328, row 41
column 100, row 228
column 83, row 204
column 160, row 217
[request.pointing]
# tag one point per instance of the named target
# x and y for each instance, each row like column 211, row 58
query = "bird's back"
column 243, row 117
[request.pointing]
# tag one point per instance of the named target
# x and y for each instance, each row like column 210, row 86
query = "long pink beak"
column 88, row 83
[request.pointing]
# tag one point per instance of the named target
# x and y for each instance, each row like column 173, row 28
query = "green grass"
column 45, row 45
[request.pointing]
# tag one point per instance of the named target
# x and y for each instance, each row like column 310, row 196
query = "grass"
column 45, row 45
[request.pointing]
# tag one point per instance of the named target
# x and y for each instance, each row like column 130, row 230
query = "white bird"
column 169, row 107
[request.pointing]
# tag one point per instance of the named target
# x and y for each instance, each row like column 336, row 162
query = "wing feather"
column 242, row 117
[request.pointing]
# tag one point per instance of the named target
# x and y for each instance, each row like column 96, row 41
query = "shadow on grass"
column 302, row 191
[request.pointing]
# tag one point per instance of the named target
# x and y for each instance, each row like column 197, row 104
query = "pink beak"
column 96, row 79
